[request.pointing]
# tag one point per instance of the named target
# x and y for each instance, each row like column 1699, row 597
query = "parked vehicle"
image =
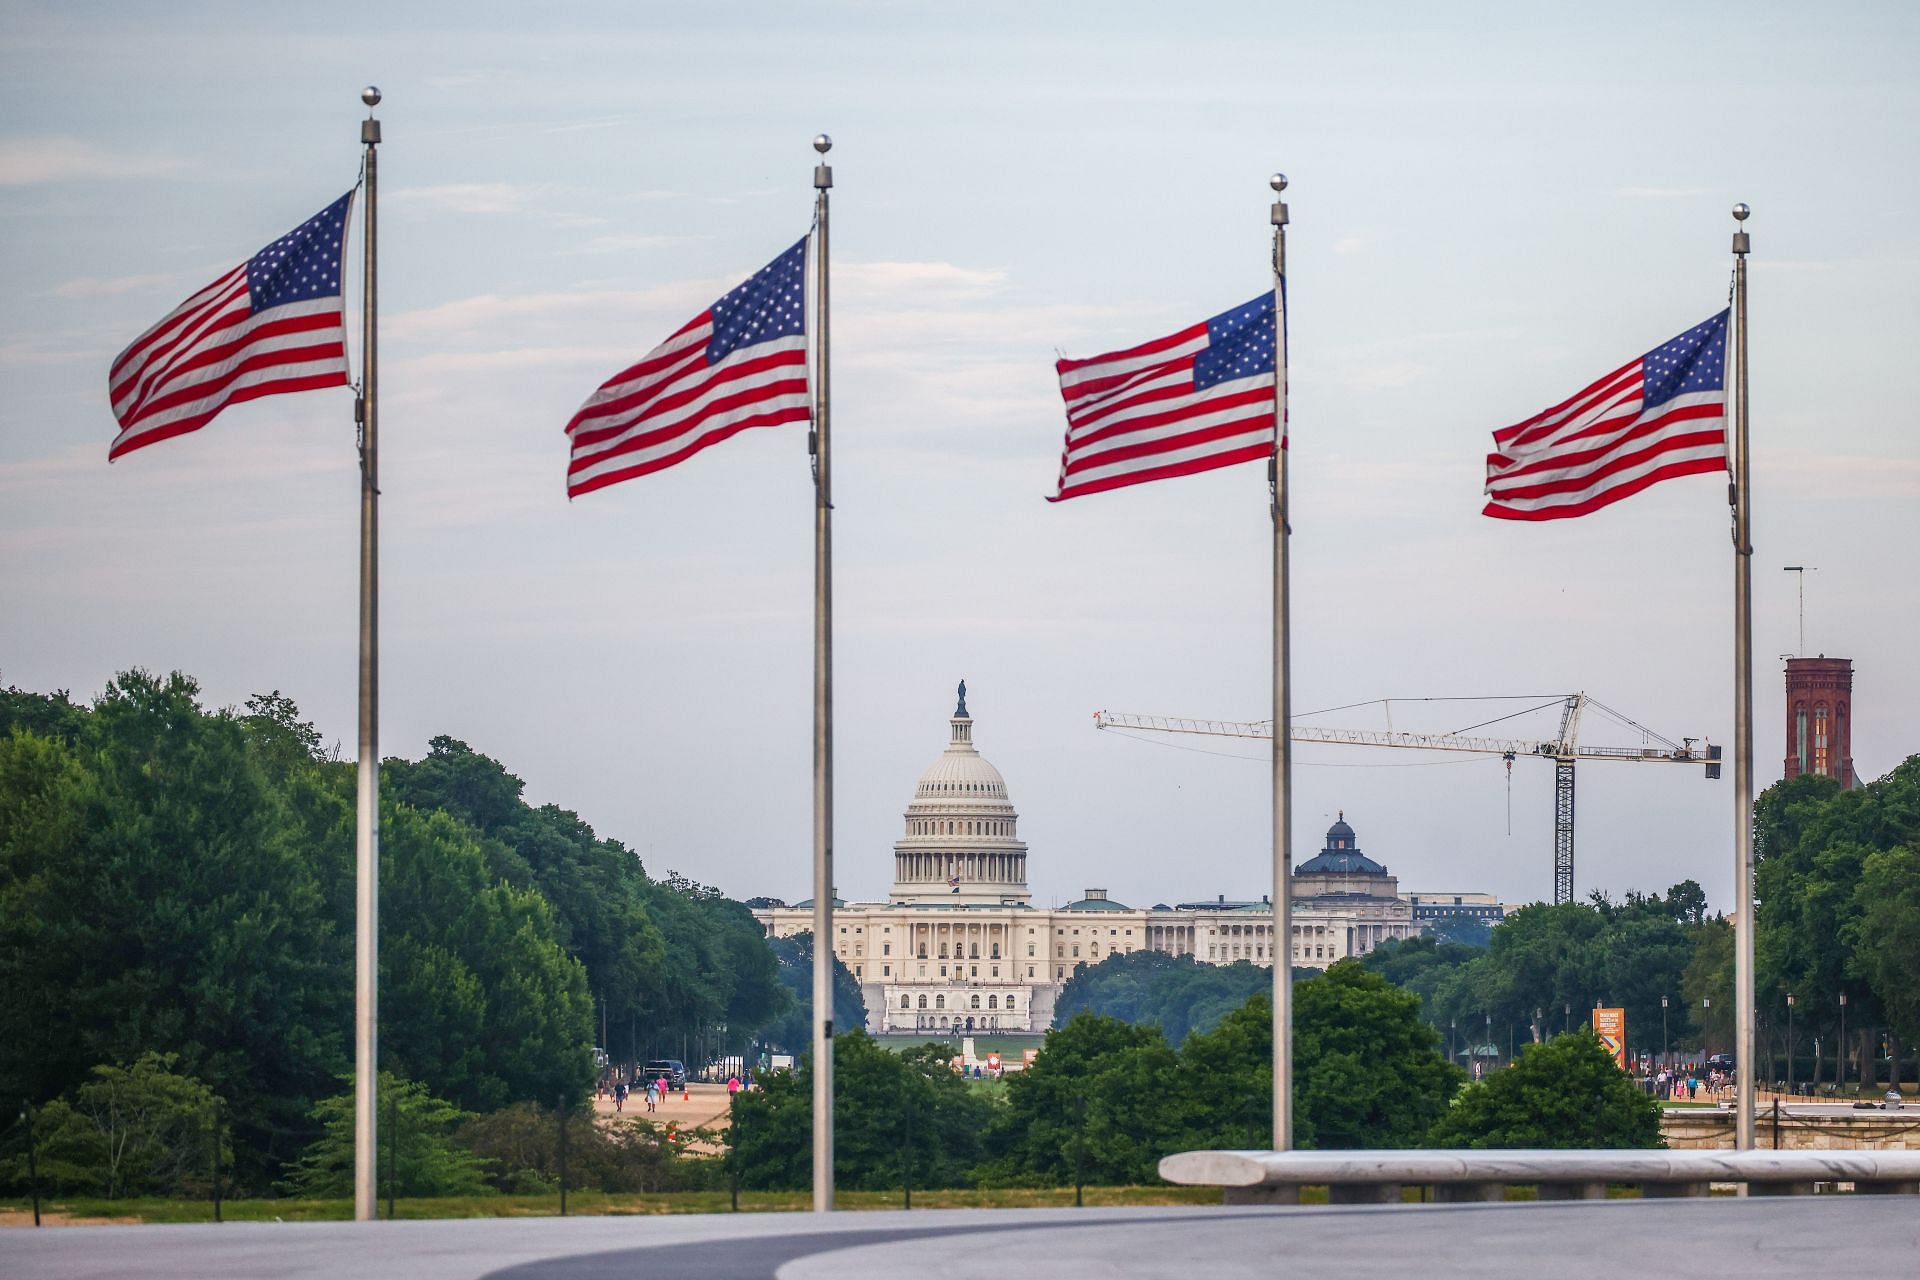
column 672, row 1068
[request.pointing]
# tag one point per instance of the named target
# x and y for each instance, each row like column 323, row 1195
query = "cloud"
column 468, row 197
column 32, row 161
column 880, row 278
column 1661, row 193
column 108, row 286
column 1812, row 474
column 631, row 243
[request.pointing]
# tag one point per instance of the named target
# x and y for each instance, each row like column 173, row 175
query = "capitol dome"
column 961, row 846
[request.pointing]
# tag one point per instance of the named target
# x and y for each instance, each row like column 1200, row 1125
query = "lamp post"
column 1489, row 1039
column 1567, row 1009
column 1706, row 1015
column 1840, row 1053
column 1539, row 1026
column 1450, row 1027
column 1789, row 1042
column 1663, row 1031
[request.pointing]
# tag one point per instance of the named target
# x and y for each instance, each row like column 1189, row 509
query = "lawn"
column 588, row 1203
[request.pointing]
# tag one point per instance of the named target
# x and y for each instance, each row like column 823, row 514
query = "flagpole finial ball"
column 1740, row 212
column 1278, row 182
column 822, row 143
column 370, row 95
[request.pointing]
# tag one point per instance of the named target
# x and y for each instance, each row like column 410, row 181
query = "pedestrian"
column 620, row 1097
column 653, row 1096
column 733, row 1086
column 1693, row 1087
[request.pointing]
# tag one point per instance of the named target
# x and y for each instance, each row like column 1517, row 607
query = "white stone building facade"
column 959, row 944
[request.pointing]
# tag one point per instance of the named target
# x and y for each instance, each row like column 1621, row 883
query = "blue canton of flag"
column 772, row 304
column 1239, row 344
column 302, row 265
column 1694, row 361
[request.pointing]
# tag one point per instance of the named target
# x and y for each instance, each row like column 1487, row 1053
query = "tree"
column 1367, row 1070
column 155, row 896
column 793, row 1030
column 418, row 1147
column 1883, row 939
column 1564, row 1093
column 1463, row 930
column 134, row 1130
column 484, row 1006
column 1102, row 1096
column 896, row 1116
column 1175, row 993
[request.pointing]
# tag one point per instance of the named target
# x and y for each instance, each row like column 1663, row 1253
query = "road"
column 1753, row 1239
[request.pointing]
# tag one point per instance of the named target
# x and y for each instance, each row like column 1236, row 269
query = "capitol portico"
column 958, row 944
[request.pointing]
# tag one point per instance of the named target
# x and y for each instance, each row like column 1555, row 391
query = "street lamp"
column 1789, row 1042
column 1450, row 1026
column 1663, row 1031
column 1840, row 1053
column 1567, row 1008
column 1706, row 1014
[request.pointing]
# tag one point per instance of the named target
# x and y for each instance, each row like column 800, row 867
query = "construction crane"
column 1563, row 750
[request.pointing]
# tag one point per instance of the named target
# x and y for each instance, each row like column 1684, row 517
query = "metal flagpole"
column 822, row 711
column 1281, row 949
column 366, row 948
column 1743, row 995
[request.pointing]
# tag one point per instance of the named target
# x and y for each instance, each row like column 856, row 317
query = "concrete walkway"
column 1752, row 1239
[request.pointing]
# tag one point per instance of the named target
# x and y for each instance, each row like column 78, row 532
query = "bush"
column 1565, row 1093
column 137, row 1130
column 520, row 1146
column 419, row 1149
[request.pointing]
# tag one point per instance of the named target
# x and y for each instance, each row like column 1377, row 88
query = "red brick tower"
column 1820, row 718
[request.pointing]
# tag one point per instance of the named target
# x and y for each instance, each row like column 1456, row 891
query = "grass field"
column 587, row 1203
column 18, row 1213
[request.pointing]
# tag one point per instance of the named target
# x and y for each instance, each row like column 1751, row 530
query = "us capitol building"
column 959, row 943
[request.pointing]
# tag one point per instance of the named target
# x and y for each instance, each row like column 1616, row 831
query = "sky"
column 1492, row 205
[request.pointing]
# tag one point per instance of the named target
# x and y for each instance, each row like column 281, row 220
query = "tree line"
column 1106, row 1099
column 179, row 880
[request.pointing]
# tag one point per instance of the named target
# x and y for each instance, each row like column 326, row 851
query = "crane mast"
column 1564, row 750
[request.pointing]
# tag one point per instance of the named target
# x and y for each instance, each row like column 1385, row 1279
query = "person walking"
column 653, row 1096
column 620, row 1097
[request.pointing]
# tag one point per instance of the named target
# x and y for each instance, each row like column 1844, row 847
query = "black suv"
column 1720, row 1062
column 672, row 1068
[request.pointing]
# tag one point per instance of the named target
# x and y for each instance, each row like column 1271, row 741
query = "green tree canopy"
column 418, row 1156
column 896, row 1116
column 1367, row 1070
column 1177, row 994
column 1564, row 1093
column 793, row 1030
column 1102, row 1095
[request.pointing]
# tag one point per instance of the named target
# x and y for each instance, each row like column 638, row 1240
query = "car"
column 1720, row 1062
column 672, row 1068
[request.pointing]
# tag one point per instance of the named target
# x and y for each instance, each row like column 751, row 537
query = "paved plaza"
column 1840, row 1235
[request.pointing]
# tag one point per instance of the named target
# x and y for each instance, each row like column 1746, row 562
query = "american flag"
column 273, row 324
column 740, row 363
column 1191, row 401
column 1654, row 418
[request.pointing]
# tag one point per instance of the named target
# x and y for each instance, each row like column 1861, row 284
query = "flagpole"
column 366, row 949
column 1743, row 922
column 822, row 711
column 1281, row 949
